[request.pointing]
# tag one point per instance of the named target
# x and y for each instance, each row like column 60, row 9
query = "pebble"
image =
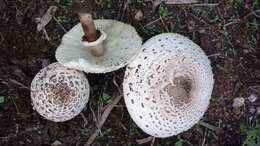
column 252, row 98
column 45, row 62
column 252, row 110
column 258, row 110
column 238, row 102
column 139, row 15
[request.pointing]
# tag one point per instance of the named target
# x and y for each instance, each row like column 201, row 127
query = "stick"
column 46, row 34
column 205, row 5
column 18, row 83
column 152, row 143
column 59, row 24
column 144, row 140
column 103, row 119
column 211, row 127
column 84, row 118
column 180, row 1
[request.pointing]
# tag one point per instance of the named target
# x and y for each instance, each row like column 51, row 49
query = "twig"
column 18, row 83
column 17, row 110
column 252, row 13
column 84, row 118
column 211, row 127
column 103, row 119
column 165, row 27
column 205, row 5
column 152, row 22
column 59, row 24
column 95, row 119
column 213, row 55
column 152, row 143
column 179, row 2
column 46, row 34
column 204, row 139
column 125, row 6
column 144, row 140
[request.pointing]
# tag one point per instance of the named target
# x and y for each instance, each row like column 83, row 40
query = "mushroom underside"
column 121, row 46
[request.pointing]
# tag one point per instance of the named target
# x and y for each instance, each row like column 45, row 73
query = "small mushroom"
column 58, row 93
column 167, row 88
column 98, row 46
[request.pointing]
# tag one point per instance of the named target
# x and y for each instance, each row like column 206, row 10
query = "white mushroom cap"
column 167, row 88
column 122, row 45
column 58, row 93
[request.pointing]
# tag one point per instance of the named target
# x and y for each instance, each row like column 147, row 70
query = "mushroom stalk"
column 92, row 38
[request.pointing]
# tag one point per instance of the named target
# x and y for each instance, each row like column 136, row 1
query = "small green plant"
column 224, row 31
column 255, row 24
column 2, row 99
column 215, row 20
column 163, row 11
column 251, row 40
column 84, row 131
column 17, row 128
column 240, row 1
column 142, row 2
column 151, row 32
column 106, row 98
column 252, row 135
column 45, row 49
column 106, row 4
column 63, row 19
column 179, row 142
column 106, row 132
column 56, row 142
column 37, row 127
column 66, row 2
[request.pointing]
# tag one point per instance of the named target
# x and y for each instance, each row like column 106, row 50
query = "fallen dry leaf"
column 46, row 18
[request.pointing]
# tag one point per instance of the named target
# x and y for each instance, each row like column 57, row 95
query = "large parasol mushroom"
column 167, row 88
column 58, row 93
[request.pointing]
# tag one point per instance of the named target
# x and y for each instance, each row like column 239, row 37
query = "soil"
column 228, row 32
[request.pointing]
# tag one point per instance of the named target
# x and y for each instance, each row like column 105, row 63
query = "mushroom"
column 167, row 88
column 58, row 93
column 98, row 46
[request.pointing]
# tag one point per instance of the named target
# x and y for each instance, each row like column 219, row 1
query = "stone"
column 139, row 15
column 238, row 102
column 252, row 98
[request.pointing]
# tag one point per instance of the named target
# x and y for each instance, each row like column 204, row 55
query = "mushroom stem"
column 92, row 38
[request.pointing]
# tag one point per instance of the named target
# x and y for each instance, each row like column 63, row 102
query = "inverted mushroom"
column 100, row 46
column 167, row 88
column 58, row 93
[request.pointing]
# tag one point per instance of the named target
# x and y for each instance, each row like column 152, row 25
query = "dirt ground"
column 228, row 31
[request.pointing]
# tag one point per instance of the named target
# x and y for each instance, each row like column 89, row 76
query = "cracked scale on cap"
column 167, row 88
column 58, row 93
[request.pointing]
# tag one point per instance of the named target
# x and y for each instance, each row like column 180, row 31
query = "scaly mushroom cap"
column 121, row 46
column 58, row 93
column 168, row 86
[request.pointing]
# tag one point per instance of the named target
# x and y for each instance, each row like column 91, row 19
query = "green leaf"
column 2, row 99
column 107, row 98
column 178, row 143
column 240, row 1
column 243, row 128
column 56, row 142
